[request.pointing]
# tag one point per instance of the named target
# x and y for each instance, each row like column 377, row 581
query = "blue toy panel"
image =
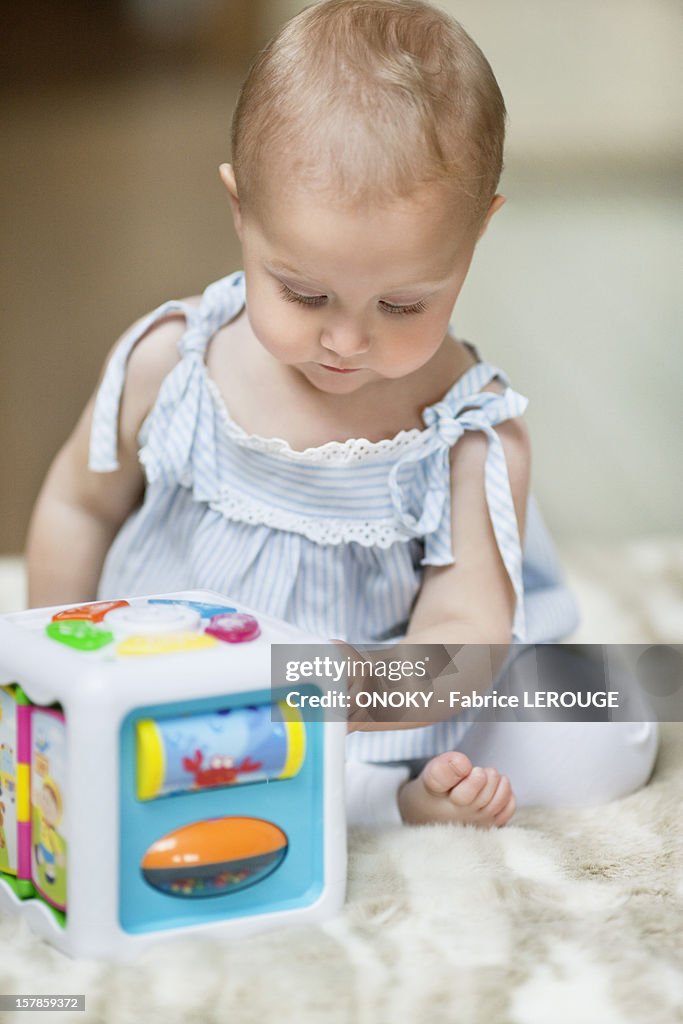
column 294, row 805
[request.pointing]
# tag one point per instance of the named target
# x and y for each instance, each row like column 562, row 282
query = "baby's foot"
column 450, row 789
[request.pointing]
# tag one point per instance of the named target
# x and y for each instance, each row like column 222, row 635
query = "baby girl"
column 310, row 437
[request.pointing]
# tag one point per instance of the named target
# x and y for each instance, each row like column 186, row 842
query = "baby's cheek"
column 275, row 330
column 408, row 355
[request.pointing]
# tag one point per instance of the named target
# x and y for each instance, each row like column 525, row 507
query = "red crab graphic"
column 221, row 771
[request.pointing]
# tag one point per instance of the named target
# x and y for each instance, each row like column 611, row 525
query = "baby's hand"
column 360, row 678
column 382, row 695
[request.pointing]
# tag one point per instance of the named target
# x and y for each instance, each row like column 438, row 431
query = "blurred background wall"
column 115, row 117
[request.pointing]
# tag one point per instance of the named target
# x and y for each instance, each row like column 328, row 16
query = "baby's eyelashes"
column 317, row 300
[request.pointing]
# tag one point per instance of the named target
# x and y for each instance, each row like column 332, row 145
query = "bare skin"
column 450, row 790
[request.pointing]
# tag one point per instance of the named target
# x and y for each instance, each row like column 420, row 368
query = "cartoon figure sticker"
column 48, row 848
column 48, row 813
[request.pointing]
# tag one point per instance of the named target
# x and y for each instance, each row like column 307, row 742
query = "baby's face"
column 369, row 292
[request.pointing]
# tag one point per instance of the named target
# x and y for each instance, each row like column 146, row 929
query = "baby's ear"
column 496, row 204
column 228, row 178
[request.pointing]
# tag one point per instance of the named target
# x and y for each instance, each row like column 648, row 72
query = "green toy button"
column 79, row 634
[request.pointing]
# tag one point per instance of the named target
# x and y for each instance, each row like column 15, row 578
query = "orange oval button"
column 214, row 856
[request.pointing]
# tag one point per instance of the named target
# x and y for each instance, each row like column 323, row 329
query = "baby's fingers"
column 358, row 680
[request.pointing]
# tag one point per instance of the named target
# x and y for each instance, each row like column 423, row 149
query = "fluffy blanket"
column 559, row 918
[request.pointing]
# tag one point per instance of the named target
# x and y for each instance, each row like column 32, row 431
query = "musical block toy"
column 154, row 780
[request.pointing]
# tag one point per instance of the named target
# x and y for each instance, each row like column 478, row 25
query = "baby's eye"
column 416, row 307
column 304, row 300
column 317, row 300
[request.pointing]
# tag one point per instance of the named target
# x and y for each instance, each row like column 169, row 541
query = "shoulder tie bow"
column 183, row 401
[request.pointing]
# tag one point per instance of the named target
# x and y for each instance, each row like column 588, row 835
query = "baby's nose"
column 345, row 341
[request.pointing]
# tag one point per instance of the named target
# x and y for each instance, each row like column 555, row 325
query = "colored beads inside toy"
column 214, row 856
column 234, row 628
column 79, row 634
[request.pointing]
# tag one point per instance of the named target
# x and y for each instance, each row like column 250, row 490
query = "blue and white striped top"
column 331, row 539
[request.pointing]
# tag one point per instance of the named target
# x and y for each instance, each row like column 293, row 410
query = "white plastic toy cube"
column 154, row 780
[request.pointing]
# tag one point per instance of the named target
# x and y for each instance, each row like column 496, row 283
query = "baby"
column 308, row 437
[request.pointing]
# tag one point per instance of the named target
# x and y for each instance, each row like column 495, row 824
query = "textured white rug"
column 564, row 917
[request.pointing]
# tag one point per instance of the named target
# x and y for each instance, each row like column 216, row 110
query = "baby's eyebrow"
column 280, row 267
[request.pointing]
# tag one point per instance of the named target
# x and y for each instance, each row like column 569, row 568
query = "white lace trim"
column 355, row 449
column 381, row 533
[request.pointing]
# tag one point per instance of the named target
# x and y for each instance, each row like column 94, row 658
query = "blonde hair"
column 366, row 100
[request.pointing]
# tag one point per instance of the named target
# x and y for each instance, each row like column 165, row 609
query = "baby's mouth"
column 336, row 369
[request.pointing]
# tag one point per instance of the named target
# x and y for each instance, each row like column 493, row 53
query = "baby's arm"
column 471, row 601
column 79, row 512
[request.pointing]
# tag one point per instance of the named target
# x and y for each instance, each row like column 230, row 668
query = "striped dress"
column 332, row 539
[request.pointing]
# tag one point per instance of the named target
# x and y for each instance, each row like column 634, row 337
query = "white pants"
column 549, row 763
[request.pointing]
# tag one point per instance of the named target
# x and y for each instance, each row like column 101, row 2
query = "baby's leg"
column 569, row 764
column 541, row 763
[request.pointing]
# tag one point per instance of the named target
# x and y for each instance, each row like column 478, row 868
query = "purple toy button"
column 234, row 628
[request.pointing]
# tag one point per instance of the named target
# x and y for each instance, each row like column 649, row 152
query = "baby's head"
column 367, row 147
column 367, row 101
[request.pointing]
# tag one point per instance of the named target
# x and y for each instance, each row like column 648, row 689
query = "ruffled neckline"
column 354, row 449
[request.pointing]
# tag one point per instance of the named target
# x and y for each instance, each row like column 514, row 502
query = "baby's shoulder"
column 457, row 360
column 463, row 366
column 513, row 431
column 158, row 349
column 152, row 358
